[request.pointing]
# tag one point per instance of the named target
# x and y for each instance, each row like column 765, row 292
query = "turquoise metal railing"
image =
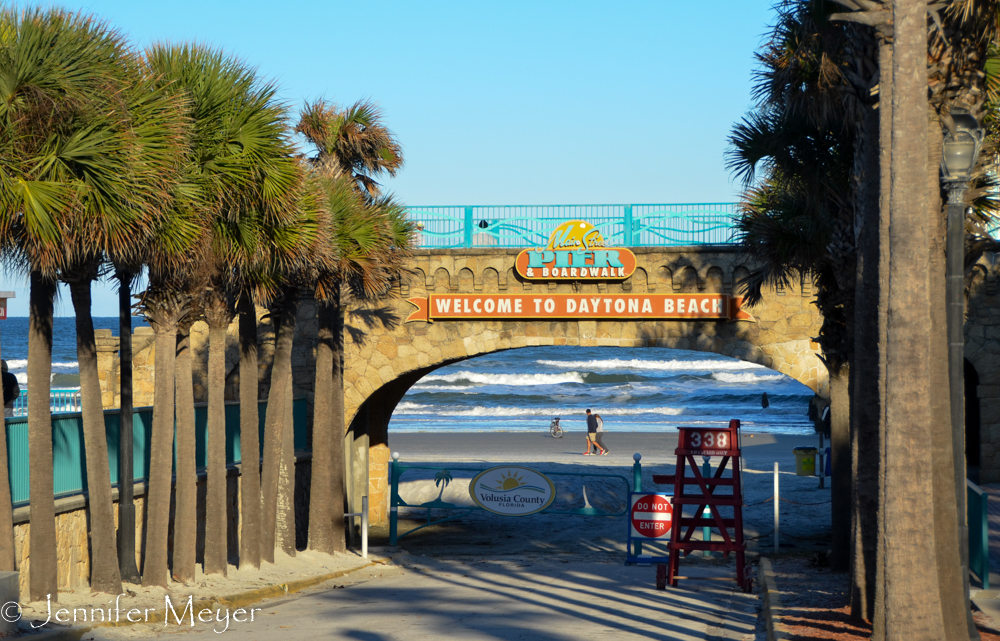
column 397, row 469
column 979, row 532
column 60, row 401
column 531, row 225
column 69, row 468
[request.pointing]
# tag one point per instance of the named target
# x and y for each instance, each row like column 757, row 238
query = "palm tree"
column 442, row 479
column 247, row 182
column 797, row 219
column 88, row 159
column 351, row 142
column 369, row 237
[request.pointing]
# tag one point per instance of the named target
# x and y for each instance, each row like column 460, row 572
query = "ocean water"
column 65, row 371
column 641, row 390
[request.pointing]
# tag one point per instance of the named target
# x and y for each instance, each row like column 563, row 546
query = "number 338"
column 708, row 439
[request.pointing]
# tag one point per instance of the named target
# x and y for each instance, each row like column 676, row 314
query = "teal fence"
column 69, row 468
column 397, row 469
column 531, row 225
column 979, row 533
column 60, row 401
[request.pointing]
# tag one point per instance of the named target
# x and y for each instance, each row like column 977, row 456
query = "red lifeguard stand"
column 706, row 441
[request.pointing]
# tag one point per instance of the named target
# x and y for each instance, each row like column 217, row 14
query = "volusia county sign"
column 512, row 490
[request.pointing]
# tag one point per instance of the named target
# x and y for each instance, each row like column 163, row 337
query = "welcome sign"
column 576, row 252
column 512, row 490
column 578, row 307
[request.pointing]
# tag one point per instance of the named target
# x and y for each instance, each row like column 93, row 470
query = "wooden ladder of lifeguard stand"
column 704, row 441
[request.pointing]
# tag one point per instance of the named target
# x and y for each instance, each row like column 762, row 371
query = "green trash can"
column 805, row 461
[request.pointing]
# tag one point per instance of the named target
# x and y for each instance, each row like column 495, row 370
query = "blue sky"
column 497, row 103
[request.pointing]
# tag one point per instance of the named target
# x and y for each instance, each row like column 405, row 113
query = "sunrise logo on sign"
column 576, row 252
column 512, row 490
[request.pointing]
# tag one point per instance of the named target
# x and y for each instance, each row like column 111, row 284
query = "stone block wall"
column 982, row 350
column 73, row 536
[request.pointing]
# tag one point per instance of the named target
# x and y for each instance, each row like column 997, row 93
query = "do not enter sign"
column 651, row 516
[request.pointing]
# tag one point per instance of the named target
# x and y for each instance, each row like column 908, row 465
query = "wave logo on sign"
column 576, row 252
column 512, row 490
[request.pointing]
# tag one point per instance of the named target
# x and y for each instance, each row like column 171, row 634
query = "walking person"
column 11, row 390
column 592, row 434
column 599, row 435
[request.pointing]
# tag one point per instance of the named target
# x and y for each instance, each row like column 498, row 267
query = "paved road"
column 498, row 599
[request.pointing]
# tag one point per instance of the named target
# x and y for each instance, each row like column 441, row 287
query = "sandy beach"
column 804, row 525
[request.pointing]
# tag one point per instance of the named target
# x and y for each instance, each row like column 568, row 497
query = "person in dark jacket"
column 11, row 390
column 592, row 434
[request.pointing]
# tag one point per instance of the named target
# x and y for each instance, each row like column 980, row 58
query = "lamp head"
column 961, row 146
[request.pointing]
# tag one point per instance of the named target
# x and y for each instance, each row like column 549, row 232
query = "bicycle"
column 554, row 428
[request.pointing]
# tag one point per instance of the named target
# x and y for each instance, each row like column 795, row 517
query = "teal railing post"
column 627, row 238
column 706, row 531
column 469, row 226
column 979, row 533
column 393, row 496
column 637, row 487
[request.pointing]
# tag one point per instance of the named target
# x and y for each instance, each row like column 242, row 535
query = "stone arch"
column 466, row 280
column 418, row 280
column 640, row 281
column 714, row 278
column 491, row 281
column 372, row 397
column 664, row 279
column 686, row 280
column 442, row 280
column 740, row 274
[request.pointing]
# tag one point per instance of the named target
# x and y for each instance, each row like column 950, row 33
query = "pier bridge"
column 684, row 262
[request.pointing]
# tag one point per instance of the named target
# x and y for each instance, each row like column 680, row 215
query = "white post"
column 364, row 526
column 777, row 498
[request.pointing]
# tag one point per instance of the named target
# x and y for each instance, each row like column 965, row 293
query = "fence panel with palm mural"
column 432, row 488
column 531, row 225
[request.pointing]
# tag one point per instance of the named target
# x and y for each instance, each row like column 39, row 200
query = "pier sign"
column 651, row 516
column 575, row 252
column 512, row 490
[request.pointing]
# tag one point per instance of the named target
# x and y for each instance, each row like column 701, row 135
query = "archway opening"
column 495, row 409
column 635, row 390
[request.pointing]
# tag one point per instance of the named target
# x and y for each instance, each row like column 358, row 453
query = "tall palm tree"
column 88, row 158
column 246, row 182
column 351, row 142
column 370, row 235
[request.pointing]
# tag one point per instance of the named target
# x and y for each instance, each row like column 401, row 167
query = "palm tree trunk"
column 186, row 498
column 840, row 473
column 42, row 578
column 216, row 521
column 249, row 437
column 326, row 505
column 885, row 124
column 126, row 469
column 865, row 381
column 337, row 453
column 104, row 573
column 286, row 479
column 154, row 568
column 917, row 603
column 274, row 427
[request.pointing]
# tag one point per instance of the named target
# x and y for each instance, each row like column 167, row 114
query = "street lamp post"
column 961, row 148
